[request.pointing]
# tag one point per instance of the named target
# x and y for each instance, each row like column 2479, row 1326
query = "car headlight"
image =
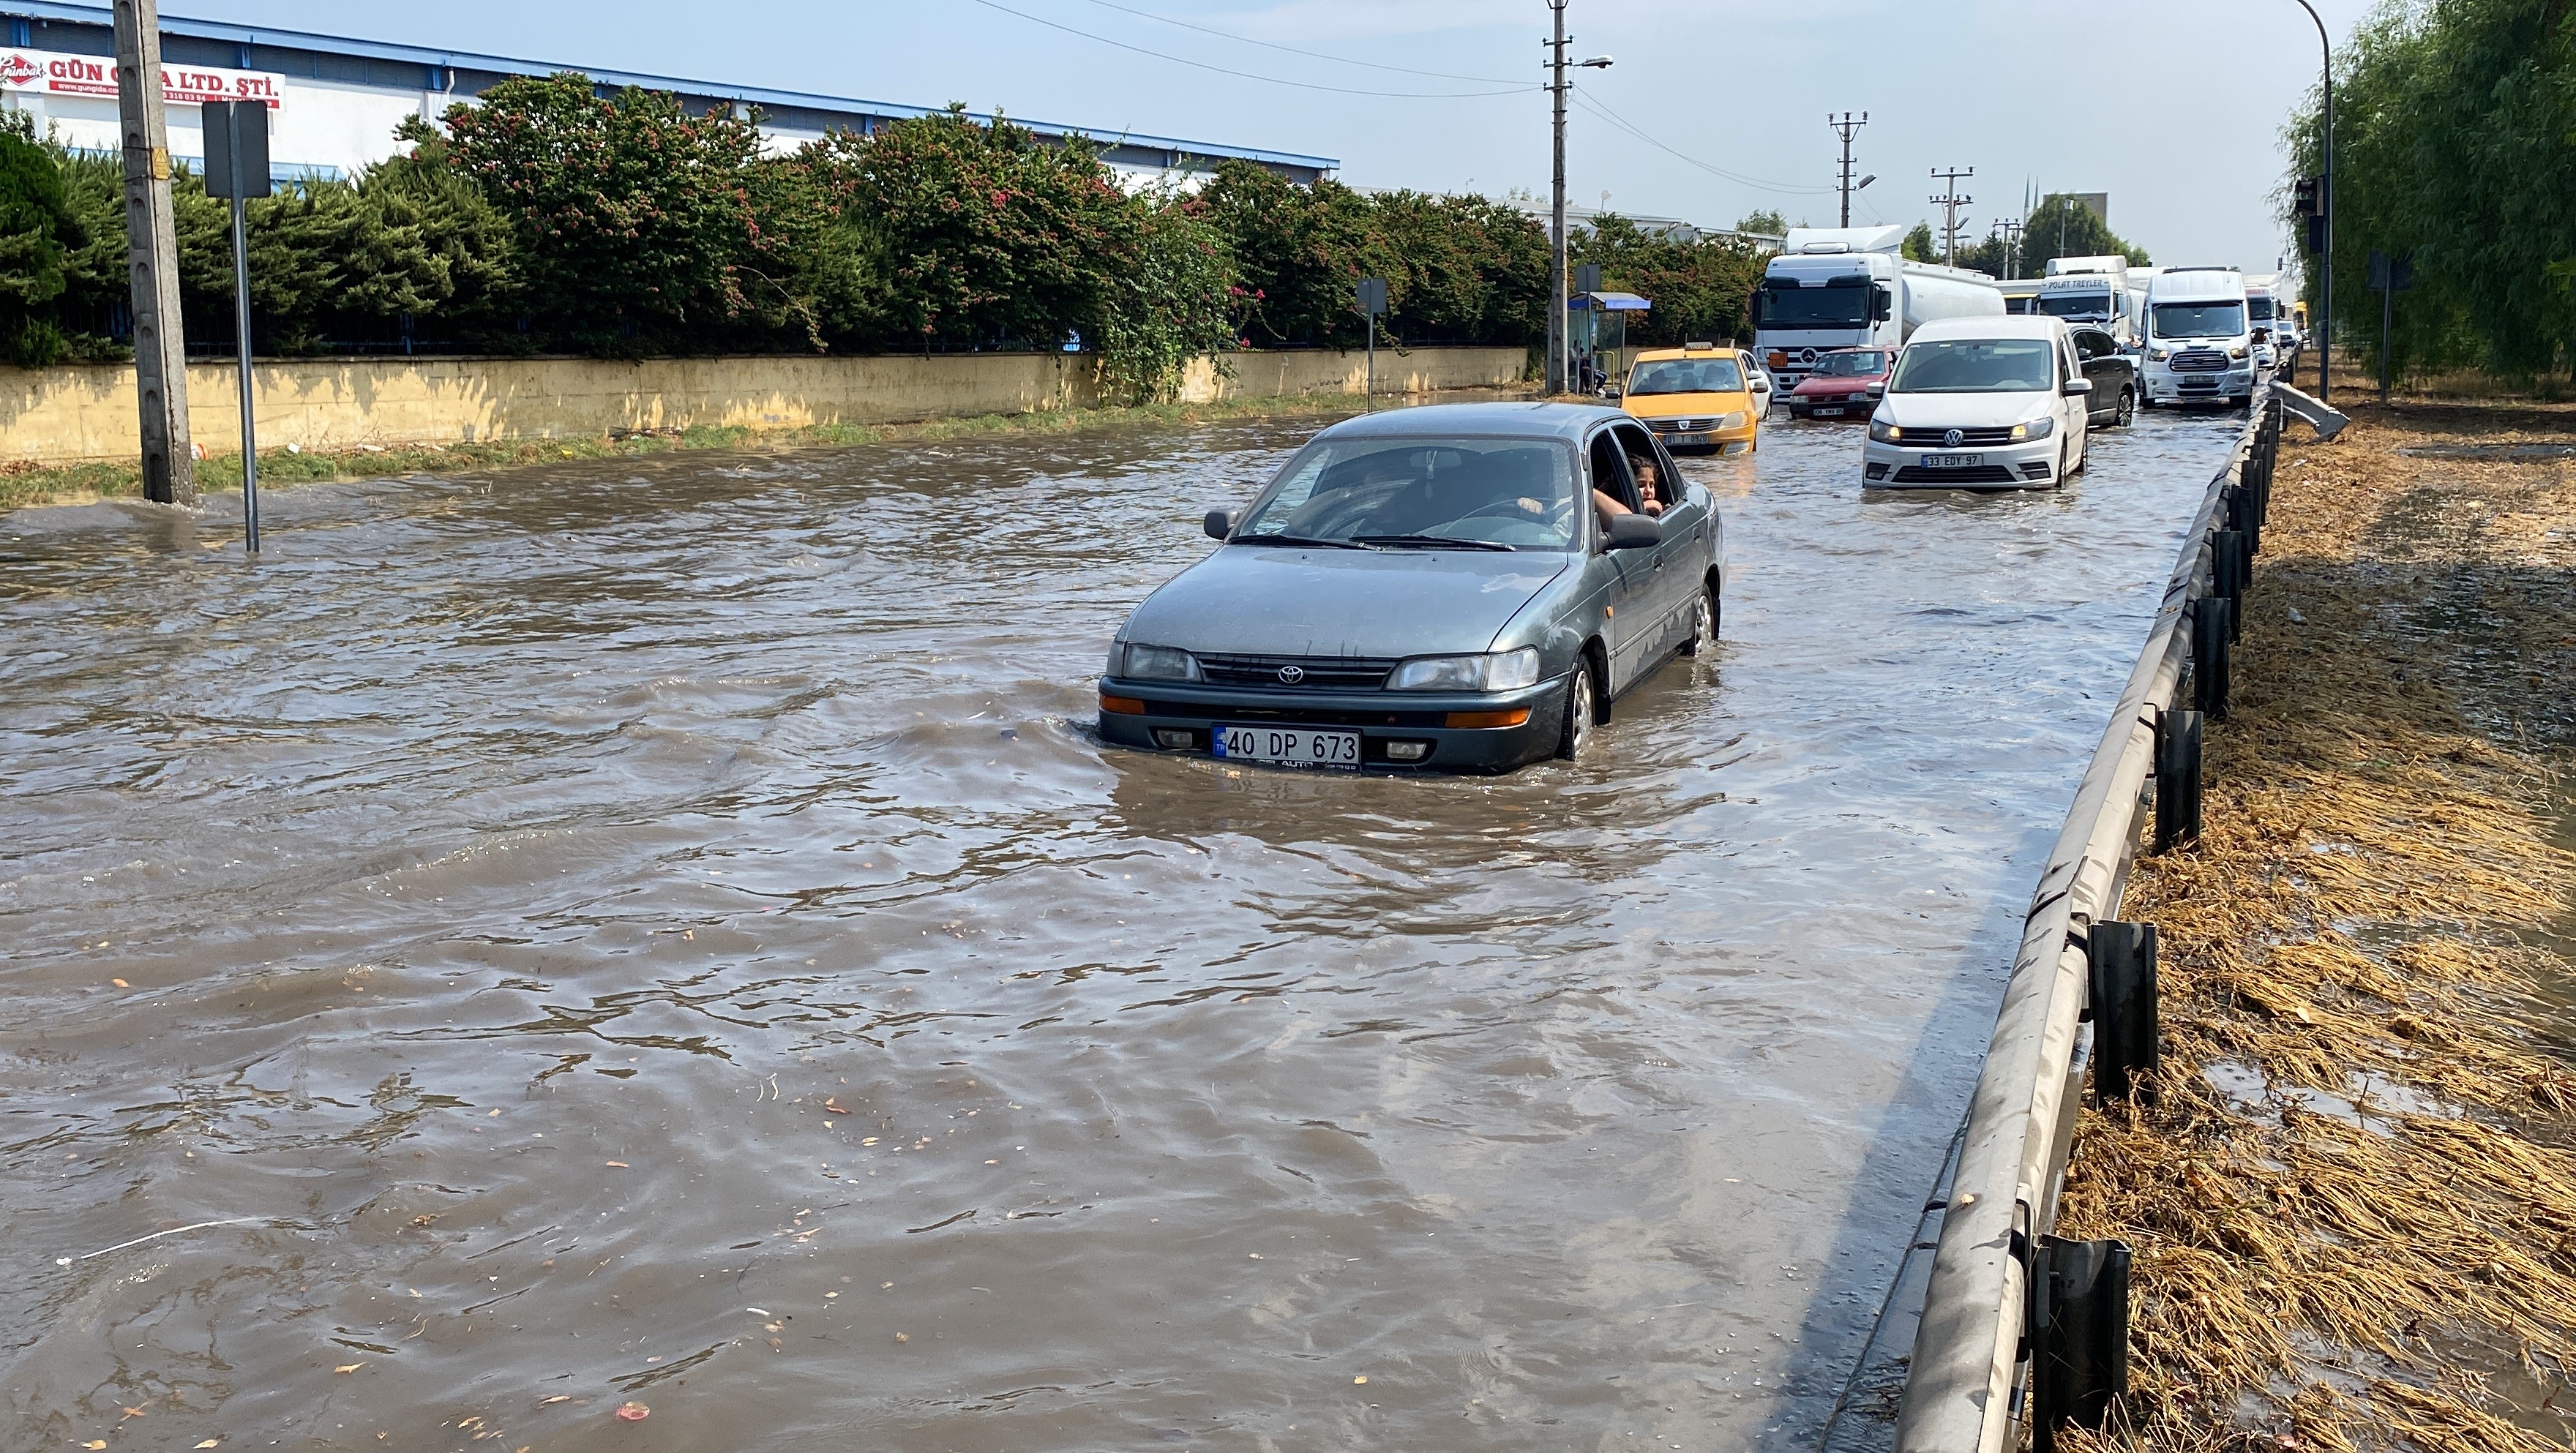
column 1501, row 671
column 1728, row 421
column 2034, row 429
column 1154, row 663
column 1884, row 432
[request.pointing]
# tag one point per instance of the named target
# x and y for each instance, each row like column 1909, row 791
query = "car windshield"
column 2199, row 320
column 2076, row 305
column 1419, row 493
column 1850, row 365
column 1786, row 305
column 1687, row 376
column 1976, row 366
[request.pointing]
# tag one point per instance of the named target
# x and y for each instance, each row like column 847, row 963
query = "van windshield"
column 2077, row 305
column 1976, row 366
column 1787, row 305
column 1687, row 376
column 2199, row 320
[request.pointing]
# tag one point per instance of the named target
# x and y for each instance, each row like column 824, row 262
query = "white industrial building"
column 337, row 100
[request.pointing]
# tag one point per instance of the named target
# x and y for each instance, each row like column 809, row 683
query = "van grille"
column 1982, row 474
column 2200, row 360
column 1968, row 438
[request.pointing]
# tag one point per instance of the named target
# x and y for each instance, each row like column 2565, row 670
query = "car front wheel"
column 1580, row 707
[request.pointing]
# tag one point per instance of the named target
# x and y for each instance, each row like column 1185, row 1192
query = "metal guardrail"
column 1969, row 1379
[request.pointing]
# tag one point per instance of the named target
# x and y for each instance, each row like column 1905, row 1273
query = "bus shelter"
column 1598, row 325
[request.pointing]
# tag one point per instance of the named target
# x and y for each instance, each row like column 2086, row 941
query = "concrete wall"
column 57, row 415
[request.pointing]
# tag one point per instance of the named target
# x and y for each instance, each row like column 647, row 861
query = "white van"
column 1981, row 403
column 2200, row 338
column 2264, row 309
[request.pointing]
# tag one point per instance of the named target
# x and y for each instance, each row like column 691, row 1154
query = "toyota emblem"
column 1952, row 438
column 1291, row 675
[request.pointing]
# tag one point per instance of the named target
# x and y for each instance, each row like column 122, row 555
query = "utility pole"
column 1556, row 226
column 1846, row 126
column 152, row 249
column 1950, row 203
column 2011, row 229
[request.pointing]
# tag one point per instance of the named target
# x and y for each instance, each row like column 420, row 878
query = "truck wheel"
column 1580, row 705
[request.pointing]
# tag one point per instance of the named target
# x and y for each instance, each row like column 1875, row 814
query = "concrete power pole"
column 1950, row 203
column 152, row 249
column 1556, row 298
column 1847, row 126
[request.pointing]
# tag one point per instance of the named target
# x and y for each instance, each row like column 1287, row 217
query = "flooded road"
column 663, row 931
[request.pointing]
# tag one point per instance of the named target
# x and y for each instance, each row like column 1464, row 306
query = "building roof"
column 271, row 37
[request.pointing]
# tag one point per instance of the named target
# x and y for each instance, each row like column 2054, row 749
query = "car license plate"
column 1953, row 461
column 1830, row 412
column 1686, row 440
column 1289, row 746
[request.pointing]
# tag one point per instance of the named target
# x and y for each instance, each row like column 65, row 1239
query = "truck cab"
column 2098, row 300
column 2199, row 338
column 2262, row 307
column 1852, row 287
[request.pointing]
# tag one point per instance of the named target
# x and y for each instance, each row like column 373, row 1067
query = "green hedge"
column 551, row 218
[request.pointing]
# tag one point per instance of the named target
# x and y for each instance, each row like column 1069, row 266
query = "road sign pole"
column 241, row 324
column 236, row 135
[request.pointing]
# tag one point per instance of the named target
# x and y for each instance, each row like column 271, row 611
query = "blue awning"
column 1610, row 302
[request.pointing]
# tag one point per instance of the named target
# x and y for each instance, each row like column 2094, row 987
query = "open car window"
column 1610, row 469
column 1478, row 491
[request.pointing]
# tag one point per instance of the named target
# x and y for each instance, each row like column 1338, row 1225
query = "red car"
column 1846, row 384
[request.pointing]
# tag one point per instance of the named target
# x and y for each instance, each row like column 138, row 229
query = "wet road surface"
column 663, row 930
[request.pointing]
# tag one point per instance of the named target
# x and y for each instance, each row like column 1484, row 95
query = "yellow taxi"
column 1700, row 397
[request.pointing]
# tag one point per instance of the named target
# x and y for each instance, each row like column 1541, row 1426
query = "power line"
column 1292, row 50
column 1249, row 75
column 1585, row 99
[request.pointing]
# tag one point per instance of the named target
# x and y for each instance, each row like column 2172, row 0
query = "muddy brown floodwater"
column 663, row 930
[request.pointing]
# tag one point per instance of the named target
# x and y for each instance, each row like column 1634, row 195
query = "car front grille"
column 1298, row 715
column 1678, row 426
column 2200, row 360
column 1968, row 438
column 1981, row 474
column 1296, row 673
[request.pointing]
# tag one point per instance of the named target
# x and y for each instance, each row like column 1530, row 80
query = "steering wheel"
column 1512, row 508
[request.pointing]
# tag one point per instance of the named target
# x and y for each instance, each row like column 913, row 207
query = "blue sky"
column 2175, row 109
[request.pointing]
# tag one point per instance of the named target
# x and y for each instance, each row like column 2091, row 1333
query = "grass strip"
column 2352, row 1202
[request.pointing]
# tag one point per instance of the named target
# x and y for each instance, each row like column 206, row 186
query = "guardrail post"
column 2212, row 626
column 2177, row 777
column 2231, row 563
column 2120, row 961
column 2079, row 1326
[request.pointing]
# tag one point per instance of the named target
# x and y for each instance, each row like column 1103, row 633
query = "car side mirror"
column 1218, row 524
column 2074, row 386
column 1635, row 532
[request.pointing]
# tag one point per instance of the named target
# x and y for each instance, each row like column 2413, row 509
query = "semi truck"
column 1853, row 287
column 2095, row 290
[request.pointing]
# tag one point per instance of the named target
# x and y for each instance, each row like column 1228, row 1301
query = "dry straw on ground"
column 2353, row 1203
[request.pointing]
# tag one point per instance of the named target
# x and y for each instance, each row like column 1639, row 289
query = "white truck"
column 2199, row 338
column 1853, row 287
column 2274, row 342
column 2095, row 290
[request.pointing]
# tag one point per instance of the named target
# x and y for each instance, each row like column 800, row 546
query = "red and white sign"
column 54, row 74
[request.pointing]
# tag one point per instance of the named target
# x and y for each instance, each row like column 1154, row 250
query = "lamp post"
column 2325, row 203
column 1558, row 86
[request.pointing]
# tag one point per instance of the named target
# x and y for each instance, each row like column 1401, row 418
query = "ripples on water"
column 515, row 880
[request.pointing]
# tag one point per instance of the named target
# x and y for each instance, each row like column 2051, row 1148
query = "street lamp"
column 2325, row 203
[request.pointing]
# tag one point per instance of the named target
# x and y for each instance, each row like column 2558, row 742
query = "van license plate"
column 1953, row 461
column 1288, row 746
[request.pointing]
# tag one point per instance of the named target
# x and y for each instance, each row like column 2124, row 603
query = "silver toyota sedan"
column 1462, row 586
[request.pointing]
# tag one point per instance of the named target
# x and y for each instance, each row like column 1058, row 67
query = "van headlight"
column 1497, row 671
column 2039, row 428
column 1153, row 663
column 2159, row 355
column 1884, row 432
column 2238, row 352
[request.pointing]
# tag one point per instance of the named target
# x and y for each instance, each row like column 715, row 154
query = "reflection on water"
column 664, row 929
